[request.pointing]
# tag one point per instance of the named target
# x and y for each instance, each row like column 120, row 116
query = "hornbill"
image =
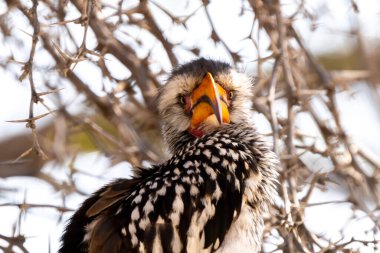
column 210, row 196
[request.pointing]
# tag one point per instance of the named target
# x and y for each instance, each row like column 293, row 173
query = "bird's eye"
column 182, row 99
column 230, row 94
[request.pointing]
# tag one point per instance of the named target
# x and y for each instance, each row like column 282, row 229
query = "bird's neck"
column 178, row 140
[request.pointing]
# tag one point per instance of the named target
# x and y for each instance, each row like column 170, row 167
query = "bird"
column 211, row 195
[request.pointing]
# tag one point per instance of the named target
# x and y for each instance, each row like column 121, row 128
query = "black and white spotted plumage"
column 208, row 197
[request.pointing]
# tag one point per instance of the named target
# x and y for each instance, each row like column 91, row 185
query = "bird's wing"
column 185, row 205
column 72, row 240
column 110, row 195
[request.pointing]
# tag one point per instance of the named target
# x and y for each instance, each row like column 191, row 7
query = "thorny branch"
column 28, row 71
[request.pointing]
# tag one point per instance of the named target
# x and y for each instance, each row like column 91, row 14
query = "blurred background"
column 77, row 107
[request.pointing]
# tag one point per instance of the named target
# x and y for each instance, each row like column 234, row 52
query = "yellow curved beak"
column 209, row 102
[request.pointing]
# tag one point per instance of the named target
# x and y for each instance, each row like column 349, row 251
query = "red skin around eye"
column 187, row 104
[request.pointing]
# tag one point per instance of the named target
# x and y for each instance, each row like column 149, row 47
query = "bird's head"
column 201, row 96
